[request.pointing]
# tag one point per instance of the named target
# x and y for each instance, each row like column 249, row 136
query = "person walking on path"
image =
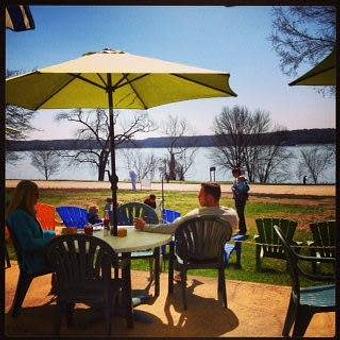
column 133, row 177
column 240, row 190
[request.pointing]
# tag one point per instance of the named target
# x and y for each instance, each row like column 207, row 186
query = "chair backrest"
column 324, row 237
column 292, row 259
column 46, row 214
column 202, row 238
column 79, row 259
column 127, row 212
column 73, row 217
column 269, row 237
column 170, row 215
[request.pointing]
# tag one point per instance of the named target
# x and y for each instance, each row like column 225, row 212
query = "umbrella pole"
column 113, row 178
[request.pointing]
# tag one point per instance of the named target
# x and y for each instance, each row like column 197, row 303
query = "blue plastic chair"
column 170, row 215
column 234, row 248
column 73, row 217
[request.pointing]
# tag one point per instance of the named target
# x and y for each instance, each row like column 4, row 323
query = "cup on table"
column 88, row 230
column 121, row 232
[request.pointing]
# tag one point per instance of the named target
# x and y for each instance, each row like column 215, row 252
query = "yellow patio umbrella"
column 114, row 80
column 323, row 74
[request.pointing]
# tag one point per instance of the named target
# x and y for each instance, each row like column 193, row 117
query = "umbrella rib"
column 101, row 78
column 205, row 85
column 88, row 81
column 117, row 85
column 130, row 81
column 135, row 91
column 53, row 94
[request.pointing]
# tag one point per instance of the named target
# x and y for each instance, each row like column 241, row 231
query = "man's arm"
column 161, row 228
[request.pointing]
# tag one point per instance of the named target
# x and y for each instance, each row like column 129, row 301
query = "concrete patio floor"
column 255, row 310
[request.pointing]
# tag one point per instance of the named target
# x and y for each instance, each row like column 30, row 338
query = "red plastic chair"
column 47, row 216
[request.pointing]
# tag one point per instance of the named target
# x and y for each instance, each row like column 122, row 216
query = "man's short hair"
column 213, row 189
column 152, row 196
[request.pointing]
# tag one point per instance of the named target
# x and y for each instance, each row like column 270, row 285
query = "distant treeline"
column 292, row 138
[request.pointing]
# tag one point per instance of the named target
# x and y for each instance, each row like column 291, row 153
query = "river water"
column 198, row 172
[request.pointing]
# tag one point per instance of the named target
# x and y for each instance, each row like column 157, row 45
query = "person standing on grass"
column 240, row 190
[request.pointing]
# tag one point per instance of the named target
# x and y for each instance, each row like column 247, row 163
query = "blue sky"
column 231, row 39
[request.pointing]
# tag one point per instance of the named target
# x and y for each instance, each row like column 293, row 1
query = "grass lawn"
column 304, row 211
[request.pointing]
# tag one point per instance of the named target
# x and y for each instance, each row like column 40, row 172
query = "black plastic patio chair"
column 84, row 266
column 199, row 244
column 25, row 277
column 305, row 301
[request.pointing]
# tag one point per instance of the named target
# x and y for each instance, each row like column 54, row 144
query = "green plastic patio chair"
column 323, row 244
column 199, row 244
column 126, row 213
column 307, row 301
column 267, row 242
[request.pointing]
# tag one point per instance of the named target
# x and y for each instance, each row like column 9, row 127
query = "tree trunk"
column 172, row 167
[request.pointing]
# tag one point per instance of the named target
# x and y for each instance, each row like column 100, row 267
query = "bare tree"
column 316, row 160
column 248, row 139
column 302, row 34
column 180, row 157
column 18, row 123
column 46, row 162
column 143, row 165
column 93, row 125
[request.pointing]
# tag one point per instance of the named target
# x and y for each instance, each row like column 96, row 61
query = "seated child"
column 151, row 201
column 93, row 215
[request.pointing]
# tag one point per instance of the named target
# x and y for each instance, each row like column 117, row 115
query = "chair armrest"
column 316, row 277
column 256, row 238
column 316, row 259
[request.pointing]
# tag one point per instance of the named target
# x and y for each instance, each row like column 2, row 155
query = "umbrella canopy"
column 323, row 74
column 19, row 18
column 115, row 80
column 137, row 83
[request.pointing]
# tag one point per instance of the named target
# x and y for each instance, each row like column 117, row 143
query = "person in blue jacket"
column 24, row 225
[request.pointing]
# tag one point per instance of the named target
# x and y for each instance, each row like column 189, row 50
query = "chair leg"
column 302, row 320
column 183, row 285
column 151, row 269
column 290, row 317
column 20, row 293
column 108, row 315
column 61, row 308
column 69, row 313
column 258, row 257
column 171, row 270
column 8, row 261
column 222, row 287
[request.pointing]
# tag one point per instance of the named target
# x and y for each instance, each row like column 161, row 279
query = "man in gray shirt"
column 209, row 200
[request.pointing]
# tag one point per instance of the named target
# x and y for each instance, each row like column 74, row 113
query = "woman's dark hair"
column 213, row 189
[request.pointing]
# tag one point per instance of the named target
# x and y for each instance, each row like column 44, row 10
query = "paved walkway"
column 256, row 189
column 255, row 310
